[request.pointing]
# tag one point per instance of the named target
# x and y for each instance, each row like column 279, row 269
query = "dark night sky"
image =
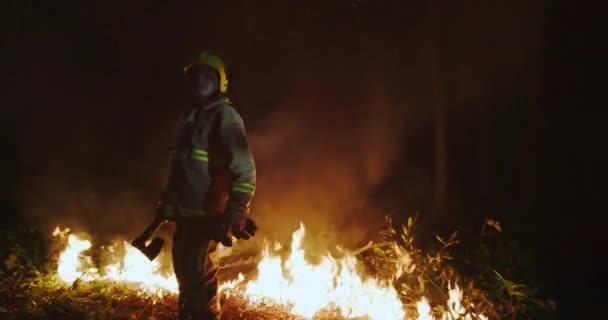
column 335, row 95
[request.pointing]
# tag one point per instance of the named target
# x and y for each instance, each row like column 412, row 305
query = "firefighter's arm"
column 242, row 165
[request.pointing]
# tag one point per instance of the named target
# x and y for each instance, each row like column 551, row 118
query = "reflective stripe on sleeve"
column 196, row 154
column 247, row 188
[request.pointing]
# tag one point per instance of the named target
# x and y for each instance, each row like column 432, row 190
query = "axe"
column 166, row 212
column 150, row 251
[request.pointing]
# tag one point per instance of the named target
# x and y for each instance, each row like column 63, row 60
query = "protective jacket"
column 211, row 164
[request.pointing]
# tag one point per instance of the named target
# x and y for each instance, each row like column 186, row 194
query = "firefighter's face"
column 203, row 83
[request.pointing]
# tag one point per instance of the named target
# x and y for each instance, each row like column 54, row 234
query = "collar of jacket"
column 212, row 102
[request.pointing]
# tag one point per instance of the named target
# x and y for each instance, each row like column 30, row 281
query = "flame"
column 304, row 288
column 424, row 310
column 231, row 285
column 133, row 267
column 136, row 268
column 70, row 268
column 333, row 283
column 61, row 233
column 455, row 308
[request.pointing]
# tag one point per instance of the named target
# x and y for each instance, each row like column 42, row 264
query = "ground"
column 45, row 297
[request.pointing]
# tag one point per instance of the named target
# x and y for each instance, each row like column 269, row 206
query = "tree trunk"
column 484, row 160
column 441, row 153
column 439, row 110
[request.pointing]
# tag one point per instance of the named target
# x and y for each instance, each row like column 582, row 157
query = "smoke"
column 60, row 200
column 331, row 140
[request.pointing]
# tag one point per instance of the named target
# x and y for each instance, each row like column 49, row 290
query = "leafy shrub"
column 428, row 274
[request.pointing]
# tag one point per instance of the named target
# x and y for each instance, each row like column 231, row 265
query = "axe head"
column 152, row 250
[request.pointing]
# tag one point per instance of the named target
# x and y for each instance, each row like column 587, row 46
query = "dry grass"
column 44, row 297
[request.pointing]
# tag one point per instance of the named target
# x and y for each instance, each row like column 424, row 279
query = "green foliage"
column 495, row 261
column 428, row 274
column 22, row 248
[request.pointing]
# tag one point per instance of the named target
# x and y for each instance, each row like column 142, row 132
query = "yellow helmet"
column 215, row 62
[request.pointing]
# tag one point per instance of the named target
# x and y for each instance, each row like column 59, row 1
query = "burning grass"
column 388, row 278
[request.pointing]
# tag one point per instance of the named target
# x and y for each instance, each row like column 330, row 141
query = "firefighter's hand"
column 167, row 211
column 223, row 235
column 234, row 220
column 248, row 231
column 222, row 227
column 237, row 223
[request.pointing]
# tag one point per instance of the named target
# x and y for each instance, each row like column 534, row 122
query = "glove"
column 248, row 231
column 237, row 222
column 164, row 207
column 221, row 229
column 232, row 224
column 232, row 227
column 164, row 211
column 222, row 235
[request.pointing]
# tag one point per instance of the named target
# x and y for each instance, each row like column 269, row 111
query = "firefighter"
column 212, row 174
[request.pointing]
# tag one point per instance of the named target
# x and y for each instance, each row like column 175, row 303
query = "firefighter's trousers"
column 195, row 261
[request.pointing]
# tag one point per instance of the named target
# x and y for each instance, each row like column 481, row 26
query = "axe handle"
column 150, row 229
